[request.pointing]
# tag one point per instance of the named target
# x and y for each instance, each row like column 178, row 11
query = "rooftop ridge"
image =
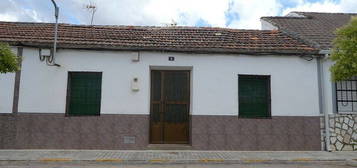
column 135, row 26
column 283, row 17
column 302, row 13
column 333, row 13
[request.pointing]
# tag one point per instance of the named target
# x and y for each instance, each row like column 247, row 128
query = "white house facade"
column 136, row 98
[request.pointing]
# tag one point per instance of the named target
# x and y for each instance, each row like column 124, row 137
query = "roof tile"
column 315, row 28
column 180, row 39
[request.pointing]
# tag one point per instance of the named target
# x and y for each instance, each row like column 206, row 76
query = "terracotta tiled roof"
column 316, row 29
column 178, row 39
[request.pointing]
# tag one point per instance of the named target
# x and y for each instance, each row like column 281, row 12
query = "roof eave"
column 247, row 51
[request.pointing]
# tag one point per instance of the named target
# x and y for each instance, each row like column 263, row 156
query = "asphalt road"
column 17, row 164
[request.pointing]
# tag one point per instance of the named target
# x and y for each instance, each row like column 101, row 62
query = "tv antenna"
column 173, row 23
column 91, row 8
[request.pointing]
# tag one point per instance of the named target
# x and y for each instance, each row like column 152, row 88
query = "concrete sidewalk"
column 172, row 156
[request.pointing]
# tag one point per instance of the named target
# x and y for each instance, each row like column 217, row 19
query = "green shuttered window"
column 84, row 93
column 254, row 96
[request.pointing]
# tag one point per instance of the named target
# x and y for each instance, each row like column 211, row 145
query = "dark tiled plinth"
column 55, row 131
column 278, row 133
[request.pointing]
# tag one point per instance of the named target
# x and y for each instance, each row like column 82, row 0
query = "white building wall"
column 7, row 82
column 267, row 26
column 329, row 99
column 6, row 92
column 214, row 81
column 328, row 91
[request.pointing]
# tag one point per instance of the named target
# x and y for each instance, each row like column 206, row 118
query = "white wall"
column 214, row 81
column 267, row 26
column 328, row 99
column 7, row 82
column 328, row 87
column 6, row 92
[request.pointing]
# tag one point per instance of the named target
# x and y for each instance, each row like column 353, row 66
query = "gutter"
column 320, row 75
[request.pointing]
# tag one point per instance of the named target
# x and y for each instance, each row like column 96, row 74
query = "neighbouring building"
column 339, row 98
column 130, row 87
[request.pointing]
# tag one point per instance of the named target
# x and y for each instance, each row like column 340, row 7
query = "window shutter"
column 254, row 96
column 84, row 93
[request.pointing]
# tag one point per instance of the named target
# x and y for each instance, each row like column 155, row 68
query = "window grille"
column 346, row 95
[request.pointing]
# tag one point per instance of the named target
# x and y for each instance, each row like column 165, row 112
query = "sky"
column 242, row 14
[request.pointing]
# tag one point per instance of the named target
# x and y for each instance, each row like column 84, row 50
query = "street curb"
column 197, row 161
column 167, row 157
column 55, row 160
column 352, row 163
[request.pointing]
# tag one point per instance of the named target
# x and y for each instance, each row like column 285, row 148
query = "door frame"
column 172, row 68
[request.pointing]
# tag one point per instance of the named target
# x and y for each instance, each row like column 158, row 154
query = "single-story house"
column 134, row 87
column 339, row 99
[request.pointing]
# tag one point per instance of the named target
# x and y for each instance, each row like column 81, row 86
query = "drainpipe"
column 51, row 60
column 320, row 74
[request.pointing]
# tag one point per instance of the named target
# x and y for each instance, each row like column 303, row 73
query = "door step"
column 169, row 147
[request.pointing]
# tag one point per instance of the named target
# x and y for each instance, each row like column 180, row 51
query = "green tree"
column 8, row 60
column 344, row 52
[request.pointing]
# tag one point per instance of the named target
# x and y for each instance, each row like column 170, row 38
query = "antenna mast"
column 92, row 8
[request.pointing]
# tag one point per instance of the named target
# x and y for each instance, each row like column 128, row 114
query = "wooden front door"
column 170, row 104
